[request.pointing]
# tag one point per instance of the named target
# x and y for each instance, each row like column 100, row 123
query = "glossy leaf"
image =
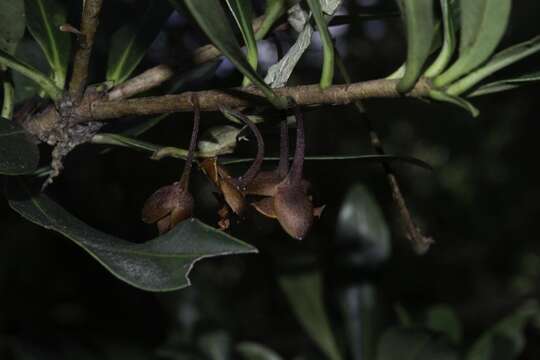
column 19, row 155
column 131, row 41
column 501, row 60
column 44, row 18
column 414, row 344
column 161, row 264
column 443, row 319
column 420, row 28
column 12, row 24
column 456, row 100
column 506, row 84
column 304, row 293
column 362, row 230
column 483, row 23
column 254, row 351
column 212, row 19
column 243, row 14
column 327, row 75
column 449, row 41
column 506, row 340
column 43, row 81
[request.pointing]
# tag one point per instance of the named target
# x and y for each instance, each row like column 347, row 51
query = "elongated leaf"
column 456, row 100
column 44, row 18
column 483, row 23
column 161, row 264
column 501, row 60
column 19, row 155
column 212, row 19
column 304, row 293
column 362, row 230
column 327, row 75
column 274, row 9
column 419, row 24
column 12, row 24
column 506, row 84
column 414, row 344
column 505, row 341
column 243, row 14
column 131, row 41
column 254, row 351
column 43, row 81
column 449, row 41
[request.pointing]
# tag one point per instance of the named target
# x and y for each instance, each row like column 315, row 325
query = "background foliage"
column 480, row 204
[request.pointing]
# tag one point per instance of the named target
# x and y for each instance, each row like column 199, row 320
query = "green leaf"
column 501, row 60
column 243, row 14
column 420, row 27
column 274, row 9
column 443, row 319
column 449, row 41
column 483, row 23
column 254, row 351
column 212, row 19
column 362, row 229
column 506, row 84
column 131, row 41
column 505, row 341
column 161, row 264
column 304, row 293
column 19, row 155
column 44, row 18
column 456, row 100
column 43, row 81
column 414, row 344
column 12, row 24
column 327, row 75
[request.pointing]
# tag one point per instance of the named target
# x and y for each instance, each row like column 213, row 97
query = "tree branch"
column 89, row 23
column 211, row 100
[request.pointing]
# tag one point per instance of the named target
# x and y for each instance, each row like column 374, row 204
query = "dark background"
column 481, row 205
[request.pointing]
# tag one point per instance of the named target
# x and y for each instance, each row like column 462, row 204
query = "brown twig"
column 212, row 100
column 420, row 243
column 89, row 23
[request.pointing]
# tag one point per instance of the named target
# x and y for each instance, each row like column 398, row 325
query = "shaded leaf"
column 131, row 41
column 483, row 23
column 501, row 60
column 44, row 18
column 273, row 10
column 414, row 344
column 161, row 264
column 505, row 341
column 327, row 75
column 28, row 52
column 506, row 84
column 12, row 24
column 243, row 14
column 359, row 305
column 19, row 155
column 362, row 230
column 254, row 351
column 443, row 319
column 304, row 293
column 211, row 17
column 449, row 40
column 28, row 71
column 456, row 100
column 420, row 27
